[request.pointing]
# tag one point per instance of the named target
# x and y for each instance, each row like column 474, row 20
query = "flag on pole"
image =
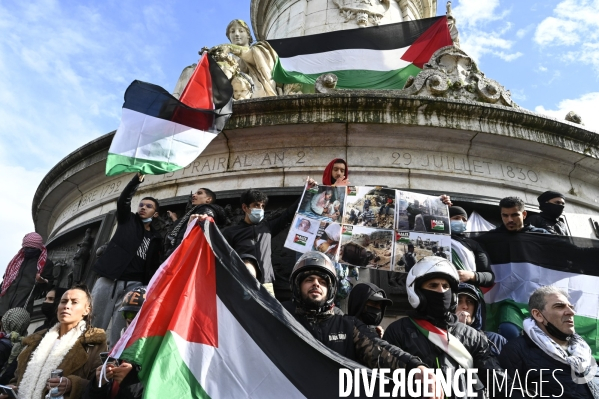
column 208, row 329
column 160, row 134
column 526, row 261
column 378, row 57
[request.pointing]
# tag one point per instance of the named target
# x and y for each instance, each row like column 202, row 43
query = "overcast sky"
column 64, row 67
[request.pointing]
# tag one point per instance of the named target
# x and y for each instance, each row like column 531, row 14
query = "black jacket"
column 353, row 339
column 528, row 228
column 404, row 334
column 521, row 355
column 358, row 297
column 551, row 224
column 255, row 239
column 484, row 275
column 127, row 239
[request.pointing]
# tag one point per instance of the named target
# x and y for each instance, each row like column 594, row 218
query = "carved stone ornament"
column 574, row 118
column 451, row 73
column 365, row 12
column 326, row 83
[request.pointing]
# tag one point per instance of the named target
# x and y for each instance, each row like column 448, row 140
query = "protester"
column 469, row 258
column 336, row 173
column 550, row 344
column 432, row 331
column 132, row 257
column 313, row 287
column 14, row 328
column 49, row 308
column 30, row 266
column 253, row 234
column 551, row 204
column 203, row 204
column 471, row 311
column 513, row 215
column 120, row 381
column 367, row 303
column 72, row 345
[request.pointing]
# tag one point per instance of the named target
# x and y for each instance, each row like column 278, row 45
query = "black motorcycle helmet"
column 310, row 263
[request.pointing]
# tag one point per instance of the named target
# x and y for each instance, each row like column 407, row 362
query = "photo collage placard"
column 374, row 227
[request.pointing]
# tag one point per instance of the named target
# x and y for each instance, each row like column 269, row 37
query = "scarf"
column 173, row 234
column 462, row 257
column 31, row 240
column 47, row 357
column 578, row 355
column 446, row 341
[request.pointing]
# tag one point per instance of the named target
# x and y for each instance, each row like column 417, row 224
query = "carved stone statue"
column 574, row 118
column 82, row 256
column 451, row 73
column 452, row 25
column 63, row 274
column 243, row 86
column 326, row 83
column 365, row 12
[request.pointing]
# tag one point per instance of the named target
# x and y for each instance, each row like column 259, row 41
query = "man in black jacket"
column 432, row 331
column 130, row 260
column 550, row 358
column 253, row 234
column 313, row 286
column 513, row 216
column 551, row 204
column 367, row 303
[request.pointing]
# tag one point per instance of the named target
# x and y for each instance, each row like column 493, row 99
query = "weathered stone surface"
column 325, row 83
column 451, row 73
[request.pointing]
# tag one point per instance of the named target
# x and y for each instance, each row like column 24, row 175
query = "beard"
column 313, row 304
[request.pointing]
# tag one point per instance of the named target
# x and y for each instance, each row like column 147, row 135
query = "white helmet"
column 425, row 269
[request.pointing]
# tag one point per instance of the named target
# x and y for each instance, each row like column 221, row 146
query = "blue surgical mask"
column 256, row 215
column 457, row 226
column 148, row 220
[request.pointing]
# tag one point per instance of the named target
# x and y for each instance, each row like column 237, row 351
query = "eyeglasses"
column 143, row 205
column 129, row 315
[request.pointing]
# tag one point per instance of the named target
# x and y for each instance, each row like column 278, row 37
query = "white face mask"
column 148, row 220
column 256, row 215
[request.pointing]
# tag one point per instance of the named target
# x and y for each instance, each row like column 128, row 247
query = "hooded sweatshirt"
column 478, row 318
column 358, row 297
column 327, row 179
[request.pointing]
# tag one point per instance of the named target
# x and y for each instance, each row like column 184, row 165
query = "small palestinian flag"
column 378, row 57
column 208, row 329
column 437, row 225
column 160, row 134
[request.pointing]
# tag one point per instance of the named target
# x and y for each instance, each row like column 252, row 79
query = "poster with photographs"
column 370, row 207
column 324, row 203
column 327, row 239
column 419, row 212
column 410, row 247
column 302, row 234
column 366, row 247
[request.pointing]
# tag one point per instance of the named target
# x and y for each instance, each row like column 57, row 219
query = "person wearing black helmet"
column 367, row 303
column 122, row 381
column 432, row 331
column 313, row 287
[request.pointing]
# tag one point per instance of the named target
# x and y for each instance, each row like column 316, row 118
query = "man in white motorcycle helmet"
column 432, row 331
column 313, row 286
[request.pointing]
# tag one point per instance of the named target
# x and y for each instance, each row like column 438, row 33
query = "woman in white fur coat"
column 72, row 345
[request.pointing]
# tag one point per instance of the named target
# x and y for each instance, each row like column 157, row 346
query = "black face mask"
column 555, row 332
column 372, row 316
column 437, row 303
column 552, row 210
column 48, row 310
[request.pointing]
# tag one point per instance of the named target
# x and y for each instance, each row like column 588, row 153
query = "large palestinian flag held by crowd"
column 159, row 133
column 378, row 57
column 208, row 329
column 524, row 262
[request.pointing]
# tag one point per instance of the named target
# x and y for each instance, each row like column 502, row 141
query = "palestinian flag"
column 208, row 329
column 447, row 342
column 160, row 134
column 526, row 261
column 378, row 57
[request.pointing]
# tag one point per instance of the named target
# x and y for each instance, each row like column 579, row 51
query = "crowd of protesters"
column 445, row 297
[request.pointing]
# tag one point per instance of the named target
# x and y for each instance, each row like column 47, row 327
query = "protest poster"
column 327, row 239
column 370, row 207
column 420, row 212
column 324, row 203
column 366, row 247
column 419, row 245
column 302, row 234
